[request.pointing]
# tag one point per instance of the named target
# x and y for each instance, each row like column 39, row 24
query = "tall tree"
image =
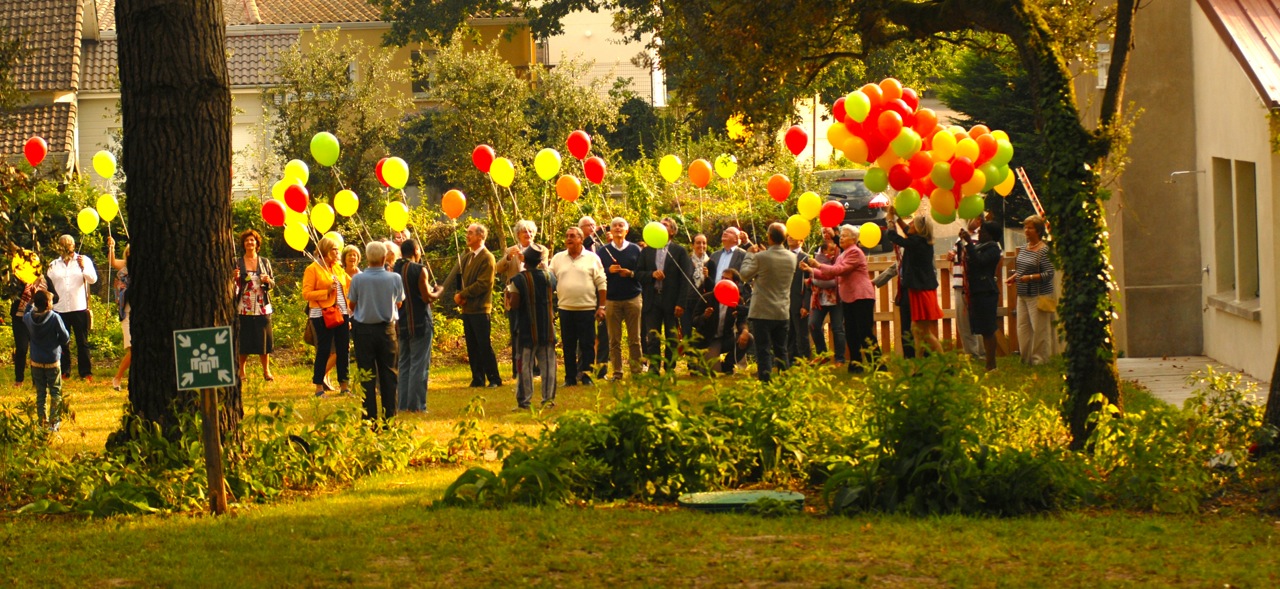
column 175, row 100
column 749, row 57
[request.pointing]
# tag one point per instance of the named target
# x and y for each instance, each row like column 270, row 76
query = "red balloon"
column 593, row 167
column 986, row 148
column 961, row 171
column 900, row 177
column 831, row 214
column 727, row 293
column 579, row 144
column 889, row 125
column 796, row 139
column 273, row 213
column 482, row 156
column 377, row 171
column 921, row 164
column 779, row 187
column 35, row 150
column 837, row 110
column 910, row 97
column 899, row 106
column 296, row 197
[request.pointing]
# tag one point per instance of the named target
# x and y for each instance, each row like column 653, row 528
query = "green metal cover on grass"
column 735, row 500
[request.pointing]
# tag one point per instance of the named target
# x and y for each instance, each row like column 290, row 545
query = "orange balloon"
column 890, row 89
column 978, row 130
column 779, row 187
column 855, row 148
column 568, row 187
column 700, row 173
column 926, row 122
column 874, row 93
column 453, row 204
column 942, row 201
column 888, row 159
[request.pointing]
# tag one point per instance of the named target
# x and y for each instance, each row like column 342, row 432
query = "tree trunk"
column 1272, row 415
column 176, row 108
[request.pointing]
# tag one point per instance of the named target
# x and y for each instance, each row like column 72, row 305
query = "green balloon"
column 941, row 176
column 906, row 144
column 876, row 180
column 971, row 207
column 325, row 148
column 992, row 174
column 942, row 219
column 1004, row 152
column 907, row 202
column 857, row 106
column 655, row 234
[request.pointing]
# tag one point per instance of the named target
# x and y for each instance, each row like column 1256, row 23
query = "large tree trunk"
column 176, row 107
column 1272, row 415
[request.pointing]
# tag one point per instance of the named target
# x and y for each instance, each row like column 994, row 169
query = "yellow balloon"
column 87, row 220
column 26, row 266
column 396, row 214
column 547, row 163
column 726, row 166
column 1004, row 188
column 336, row 237
column 798, row 227
column 967, row 148
column 104, row 164
column 998, row 135
column 277, row 189
column 292, row 216
column 346, row 203
column 297, row 169
column 837, row 134
column 869, row 235
column 295, row 234
column 942, row 202
column 108, row 207
column 396, row 172
column 975, row 184
column 944, row 146
column 322, row 217
column 502, row 172
column 670, row 167
column 809, row 205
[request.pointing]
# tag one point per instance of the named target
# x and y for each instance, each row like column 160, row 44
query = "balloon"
column 837, row 134
column 986, row 148
column 593, row 169
column 579, row 144
column 910, row 97
column 568, row 188
column 735, row 129
column 779, row 187
column 809, row 205
column 35, row 150
column 906, row 144
column 1004, row 172
column 727, row 293
column 1004, row 152
column 322, row 217
column 876, row 180
column 655, row 234
column 891, row 89
column 295, row 234
column 889, row 124
column 798, row 227
column 991, row 173
column 292, row 216
column 941, row 175
column 921, row 164
column 700, row 173
column 547, row 163
column 726, row 166
column 325, row 148
column 25, row 266
column 869, row 235
column 874, row 94
column 838, row 111
column 1005, row 186
column 482, row 156
column 961, row 170
column 104, row 164
column 297, row 169
column 942, row 219
column 926, row 122
column 857, row 106
column 670, row 167
column 87, row 220
column 296, row 197
column 967, row 148
column 453, row 204
column 832, row 214
column 906, row 202
column 796, row 139
column 346, row 203
column 502, row 172
column 944, row 146
column 977, row 131
column 998, row 135
column 108, row 207
column 277, row 189
column 396, row 215
column 975, row 184
column 273, row 213
column 942, row 202
column 887, row 160
column 336, row 238
column 377, row 171
column 971, row 207
column 856, row 149
column 900, row 177
column 396, row 173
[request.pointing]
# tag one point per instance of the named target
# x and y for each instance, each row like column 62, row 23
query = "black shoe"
column 476, row 385
column 548, row 404
column 520, row 409
column 494, row 385
column 586, row 381
column 570, row 383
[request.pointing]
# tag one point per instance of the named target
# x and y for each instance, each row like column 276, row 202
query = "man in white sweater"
column 580, row 292
column 70, row 276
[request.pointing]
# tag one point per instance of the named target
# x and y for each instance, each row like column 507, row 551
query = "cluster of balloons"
column 107, row 206
column 290, row 205
column 546, row 164
column 883, row 124
column 671, row 168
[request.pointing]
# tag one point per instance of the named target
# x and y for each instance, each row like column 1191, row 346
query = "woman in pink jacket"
column 857, row 296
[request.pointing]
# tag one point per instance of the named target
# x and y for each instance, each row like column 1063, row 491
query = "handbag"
column 332, row 316
column 309, row 333
column 884, row 277
column 1047, row 303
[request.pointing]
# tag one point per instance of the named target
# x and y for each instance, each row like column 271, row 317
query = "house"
column 1193, row 224
column 589, row 36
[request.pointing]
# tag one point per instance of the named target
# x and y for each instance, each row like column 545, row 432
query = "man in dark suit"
column 798, row 333
column 664, row 278
column 473, row 278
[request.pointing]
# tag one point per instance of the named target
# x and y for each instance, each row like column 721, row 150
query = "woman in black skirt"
column 254, row 281
column 984, row 293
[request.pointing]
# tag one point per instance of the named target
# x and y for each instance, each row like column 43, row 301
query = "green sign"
column 205, row 358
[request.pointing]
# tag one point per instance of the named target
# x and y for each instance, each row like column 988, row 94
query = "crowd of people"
column 604, row 289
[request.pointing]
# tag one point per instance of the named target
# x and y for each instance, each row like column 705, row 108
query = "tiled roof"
column 1251, row 30
column 275, row 12
column 250, row 61
column 54, row 122
column 50, row 30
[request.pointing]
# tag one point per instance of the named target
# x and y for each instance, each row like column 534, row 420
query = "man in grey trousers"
column 770, row 313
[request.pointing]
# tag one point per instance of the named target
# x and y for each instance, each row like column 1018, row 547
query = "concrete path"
column 1166, row 378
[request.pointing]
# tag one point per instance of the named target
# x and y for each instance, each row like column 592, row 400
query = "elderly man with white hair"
column 511, row 264
column 857, row 296
column 375, row 295
column 621, row 260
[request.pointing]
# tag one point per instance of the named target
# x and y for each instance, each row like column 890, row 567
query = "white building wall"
column 1231, row 123
column 590, row 37
column 95, row 118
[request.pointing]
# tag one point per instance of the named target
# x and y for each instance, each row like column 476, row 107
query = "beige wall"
column 1231, row 123
column 96, row 116
column 590, row 37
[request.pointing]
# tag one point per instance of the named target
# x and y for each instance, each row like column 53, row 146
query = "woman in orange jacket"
column 325, row 285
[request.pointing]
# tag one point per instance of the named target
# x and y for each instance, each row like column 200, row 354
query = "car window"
column 854, row 192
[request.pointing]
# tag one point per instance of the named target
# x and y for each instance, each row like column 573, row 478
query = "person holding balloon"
column 511, row 264
column 826, row 304
column 857, row 298
column 325, row 285
column 253, row 281
column 70, row 276
column 983, row 262
column 416, row 328
column 26, row 282
column 773, row 270
column 701, row 282
column 919, row 276
column 622, row 261
column 664, row 280
column 723, row 323
column 474, row 277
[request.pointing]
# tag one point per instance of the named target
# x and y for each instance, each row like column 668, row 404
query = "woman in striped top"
column 1034, row 277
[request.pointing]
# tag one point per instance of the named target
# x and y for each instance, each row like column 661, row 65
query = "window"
column 1235, row 229
column 1104, row 64
column 1246, row 231
column 422, row 80
column 1224, row 227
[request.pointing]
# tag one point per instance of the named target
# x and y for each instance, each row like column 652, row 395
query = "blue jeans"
column 48, row 383
column 771, row 342
column 819, row 314
column 415, row 366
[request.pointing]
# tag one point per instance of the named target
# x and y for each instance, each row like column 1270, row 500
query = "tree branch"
column 1121, row 47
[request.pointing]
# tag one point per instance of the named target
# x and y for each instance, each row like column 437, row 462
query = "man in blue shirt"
column 375, row 295
column 621, row 260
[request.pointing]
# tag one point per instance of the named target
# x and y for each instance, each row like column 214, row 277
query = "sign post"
column 205, row 361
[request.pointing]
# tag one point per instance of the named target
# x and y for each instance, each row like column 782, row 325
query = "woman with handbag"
column 254, row 281
column 1033, row 273
column 325, row 287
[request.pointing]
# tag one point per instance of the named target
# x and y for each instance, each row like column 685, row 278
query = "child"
column 48, row 335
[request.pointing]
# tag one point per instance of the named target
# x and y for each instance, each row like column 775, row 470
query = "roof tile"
column 275, row 12
column 50, row 30
column 249, row 63
column 54, row 122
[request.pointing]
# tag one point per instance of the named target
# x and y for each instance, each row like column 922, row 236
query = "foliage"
column 13, row 51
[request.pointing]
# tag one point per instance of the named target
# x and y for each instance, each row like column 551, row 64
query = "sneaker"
column 548, row 405
column 115, row 383
column 56, row 426
column 319, row 394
